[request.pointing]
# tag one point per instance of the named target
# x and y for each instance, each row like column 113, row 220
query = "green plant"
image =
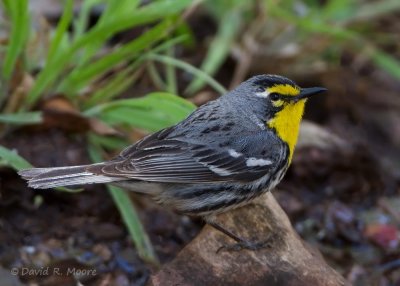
column 346, row 24
column 285, row 36
column 90, row 74
column 230, row 18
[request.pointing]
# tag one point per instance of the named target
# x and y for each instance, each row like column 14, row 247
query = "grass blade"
column 189, row 68
column 19, row 34
column 61, row 30
column 369, row 11
column 113, row 10
column 171, row 82
column 25, row 118
column 116, row 84
column 119, row 81
column 155, row 76
column 219, row 48
column 11, row 158
column 386, row 62
column 146, row 14
column 80, row 77
column 310, row 24
column 132, row 222
column 81, row 23
column 108, row 142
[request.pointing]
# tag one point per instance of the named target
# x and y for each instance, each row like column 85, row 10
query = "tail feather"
column 45, row 178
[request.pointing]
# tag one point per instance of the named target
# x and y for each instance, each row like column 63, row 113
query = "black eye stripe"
column 277, row 96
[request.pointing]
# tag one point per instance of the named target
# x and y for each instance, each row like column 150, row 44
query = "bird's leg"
column 240, row 242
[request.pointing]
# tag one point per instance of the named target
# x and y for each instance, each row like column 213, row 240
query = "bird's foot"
column 240, row 242
column 248, row 245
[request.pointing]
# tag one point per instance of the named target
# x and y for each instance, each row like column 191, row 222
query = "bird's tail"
column 45, row 178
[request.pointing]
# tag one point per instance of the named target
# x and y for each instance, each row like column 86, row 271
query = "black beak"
column 307, row 92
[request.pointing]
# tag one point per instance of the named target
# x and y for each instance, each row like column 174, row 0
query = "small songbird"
column 226, row 153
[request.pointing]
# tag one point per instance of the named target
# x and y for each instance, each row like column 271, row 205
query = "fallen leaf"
column 61, row 113
column 384, row 235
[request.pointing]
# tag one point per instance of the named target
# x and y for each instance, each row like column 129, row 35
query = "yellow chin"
column 287, row 124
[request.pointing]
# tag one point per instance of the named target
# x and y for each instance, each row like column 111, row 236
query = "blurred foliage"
column 18, row 12
column 347, row 24
column 298, row 34
column 230, row 18
column 152, row 112
column 84, row 67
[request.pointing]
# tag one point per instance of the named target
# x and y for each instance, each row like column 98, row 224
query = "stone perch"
column 286, row 261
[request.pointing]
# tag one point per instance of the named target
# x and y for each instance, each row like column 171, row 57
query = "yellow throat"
column 287, row 124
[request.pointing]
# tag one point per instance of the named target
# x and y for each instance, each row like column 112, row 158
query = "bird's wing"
column 160, row 159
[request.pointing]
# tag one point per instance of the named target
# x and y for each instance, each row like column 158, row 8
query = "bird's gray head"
column 275, row 93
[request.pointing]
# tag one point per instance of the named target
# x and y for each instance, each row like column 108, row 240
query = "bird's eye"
column 274, row 96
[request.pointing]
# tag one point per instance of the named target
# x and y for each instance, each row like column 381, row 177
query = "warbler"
column 226, row 153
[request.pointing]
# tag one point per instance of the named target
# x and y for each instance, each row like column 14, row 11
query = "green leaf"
column 171, row 81
column 149, row 13
column 19, row 34
column 118, row 82
column 386, row 62
column 61, row 31
column 155, row 76
column 81, row 75
column 152, row 112
column 82, row 22
column 22, row 118
column 338, row 10
column 108, row 142
column 11, row 158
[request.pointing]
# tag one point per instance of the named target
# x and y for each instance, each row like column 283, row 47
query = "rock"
column 287, row 261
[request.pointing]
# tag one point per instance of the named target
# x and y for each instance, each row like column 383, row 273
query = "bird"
column 226, row 153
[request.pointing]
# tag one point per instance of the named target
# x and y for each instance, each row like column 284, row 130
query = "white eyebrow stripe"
column 263, row 94
column 254, row 162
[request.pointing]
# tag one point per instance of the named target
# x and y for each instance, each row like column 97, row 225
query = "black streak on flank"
column 212, row 129
column 215, row 128
column 205, row 131
column 201, row 114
